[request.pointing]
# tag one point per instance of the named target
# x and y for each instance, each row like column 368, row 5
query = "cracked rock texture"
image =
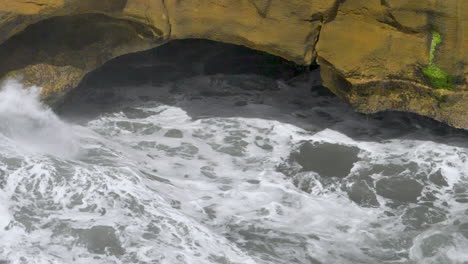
column 371, row 52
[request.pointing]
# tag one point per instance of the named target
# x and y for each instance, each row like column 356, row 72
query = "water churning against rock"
column 31, row 125
column 226, row 168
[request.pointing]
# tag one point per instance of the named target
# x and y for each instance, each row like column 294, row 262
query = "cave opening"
column 186, row 58
column 212, row 79
column 79, row 60
column 197, row 69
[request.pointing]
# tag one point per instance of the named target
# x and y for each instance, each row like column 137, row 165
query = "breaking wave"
column 188, row 173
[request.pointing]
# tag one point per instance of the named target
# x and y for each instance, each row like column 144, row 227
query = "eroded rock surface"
column 406, row 55
column 373, row 54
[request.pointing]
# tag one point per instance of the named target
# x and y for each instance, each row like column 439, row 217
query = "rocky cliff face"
column 407, row 55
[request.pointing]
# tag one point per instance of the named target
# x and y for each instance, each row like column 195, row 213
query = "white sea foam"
column 32, row 125
column 161, row 187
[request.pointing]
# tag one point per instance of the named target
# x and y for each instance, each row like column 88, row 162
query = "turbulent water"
column 226, row 169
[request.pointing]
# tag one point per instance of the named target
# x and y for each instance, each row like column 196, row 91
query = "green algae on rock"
column 438, row 78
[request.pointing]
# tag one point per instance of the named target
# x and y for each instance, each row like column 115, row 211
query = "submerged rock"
column 323, row 158
column 362, row 194
column 100, row 240
column 174, row 133
column 422, row 216
column 438, row 179
column 435, row 243
column 463, row 229
column 399, row 189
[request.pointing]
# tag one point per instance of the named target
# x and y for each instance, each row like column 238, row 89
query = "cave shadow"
column 77, row 36
column 212, row 79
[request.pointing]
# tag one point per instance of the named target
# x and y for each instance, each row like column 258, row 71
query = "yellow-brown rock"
column 372, row 52
column 386, row 46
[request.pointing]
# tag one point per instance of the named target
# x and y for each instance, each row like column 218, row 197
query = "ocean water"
column 226, row 169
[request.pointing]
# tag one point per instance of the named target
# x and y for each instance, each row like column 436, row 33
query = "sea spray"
column 31, row 124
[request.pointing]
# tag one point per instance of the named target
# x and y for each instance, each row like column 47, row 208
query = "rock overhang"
column 373, row 53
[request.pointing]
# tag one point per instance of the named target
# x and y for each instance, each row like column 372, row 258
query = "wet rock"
column 438, row 179
column 253, row 181
column 175, row 204
column 210, row 211
column 421, row 216
column 3, row 179
column 399, row 188
column 155, row 178
column 463, row 229
column 393, row 169
column 137, row 127
column 208, row 172
column 307, row 182
column 362, row 194
column 461, row 193
column 28, row 218
column 134, row 113
column 174, row 133
column 263, row 143
column 100, row 240
column 431, row 245
column 322, row 158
